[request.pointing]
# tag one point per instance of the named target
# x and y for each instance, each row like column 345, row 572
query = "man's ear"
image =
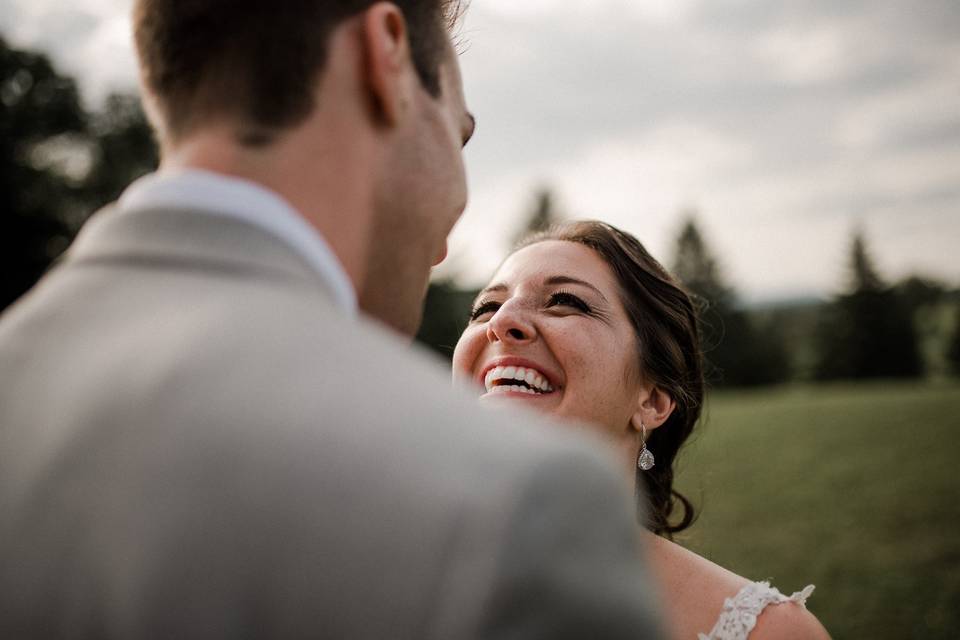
column 654, row 406
column 388, row 60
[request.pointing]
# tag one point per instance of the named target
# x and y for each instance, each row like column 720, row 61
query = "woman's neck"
column 692, row 588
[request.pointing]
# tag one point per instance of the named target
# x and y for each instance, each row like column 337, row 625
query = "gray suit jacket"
column 194, row 443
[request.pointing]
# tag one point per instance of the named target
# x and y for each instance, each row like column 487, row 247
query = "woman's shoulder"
column 789, row 620
column 700, row 594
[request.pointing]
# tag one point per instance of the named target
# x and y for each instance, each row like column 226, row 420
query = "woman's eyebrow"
column 500, row 286
column 494, row 288
column 555, row 280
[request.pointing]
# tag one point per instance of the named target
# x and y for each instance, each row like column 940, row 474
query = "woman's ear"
column 388, row 61
column 654, row 406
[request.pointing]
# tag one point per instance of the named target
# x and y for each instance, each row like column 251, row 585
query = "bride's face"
column 551, row 333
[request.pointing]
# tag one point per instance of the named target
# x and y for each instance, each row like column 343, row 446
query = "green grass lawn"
column 853, row 488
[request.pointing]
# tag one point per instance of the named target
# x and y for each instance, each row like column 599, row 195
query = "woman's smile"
column 516, row 377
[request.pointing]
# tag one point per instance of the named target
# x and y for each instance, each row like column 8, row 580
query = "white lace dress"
column 740, row 612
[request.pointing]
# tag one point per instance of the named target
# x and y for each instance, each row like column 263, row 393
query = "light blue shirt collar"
column 247, row 201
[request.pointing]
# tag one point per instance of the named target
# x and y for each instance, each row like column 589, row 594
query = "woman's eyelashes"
column 556, row 299
column 563, row 298
column 483, row 308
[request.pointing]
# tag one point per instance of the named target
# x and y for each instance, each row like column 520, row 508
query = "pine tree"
column 695, row 266
column 542, row 215
column 867, row 331
column 737, row 350
column 864, row 273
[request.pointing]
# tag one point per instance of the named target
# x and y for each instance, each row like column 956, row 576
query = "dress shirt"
column 254, row 204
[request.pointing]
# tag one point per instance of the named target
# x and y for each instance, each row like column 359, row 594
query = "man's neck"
column 322, row 187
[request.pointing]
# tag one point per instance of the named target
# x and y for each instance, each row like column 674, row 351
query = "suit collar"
column 245, row 201
column 190, row 239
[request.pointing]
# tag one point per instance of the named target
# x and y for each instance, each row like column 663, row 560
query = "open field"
column 854, row 488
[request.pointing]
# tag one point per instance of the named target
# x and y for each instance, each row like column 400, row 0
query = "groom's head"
column 351, row 110
column 257, row 63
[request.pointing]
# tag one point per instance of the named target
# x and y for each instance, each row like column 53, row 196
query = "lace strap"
column 740, row 612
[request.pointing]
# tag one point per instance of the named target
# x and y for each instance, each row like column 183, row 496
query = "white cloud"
column 925, row 105
column 654, row 11
column 801, row 55
column 88, row 39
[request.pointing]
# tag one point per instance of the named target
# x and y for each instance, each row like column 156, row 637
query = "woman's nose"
column 511, row 323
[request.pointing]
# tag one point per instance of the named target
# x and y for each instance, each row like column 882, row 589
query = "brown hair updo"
column 665, row 321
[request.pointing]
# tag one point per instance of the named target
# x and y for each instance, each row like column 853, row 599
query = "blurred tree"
column 446, row 311
column 917, row 292
column 864, row 274
column 740, row 350
column 542, row 215
column 794, row 323
column 57, row 163
column 953, row 351
column 38, row 106
column 867, row 332
column 925, row 301
column 124, row 149
column 695, row 266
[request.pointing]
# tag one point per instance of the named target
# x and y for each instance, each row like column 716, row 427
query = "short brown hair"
column 259, row 61
column 665, row 321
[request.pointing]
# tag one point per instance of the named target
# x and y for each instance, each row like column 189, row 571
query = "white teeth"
column 494, row 374
column 536, row 381
column 511, row 388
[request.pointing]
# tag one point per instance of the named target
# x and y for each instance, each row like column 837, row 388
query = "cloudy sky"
column 784, row 124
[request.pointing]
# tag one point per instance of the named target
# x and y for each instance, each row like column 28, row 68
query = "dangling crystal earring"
column 645, row 459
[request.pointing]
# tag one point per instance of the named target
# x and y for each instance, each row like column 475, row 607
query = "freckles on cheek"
column 577, row 367
column 593, row 361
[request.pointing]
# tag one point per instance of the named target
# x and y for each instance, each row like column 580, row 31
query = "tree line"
column 60, row 162
column 873, row 329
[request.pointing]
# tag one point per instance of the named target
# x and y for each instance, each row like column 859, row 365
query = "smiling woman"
column 581, row 322
column 585, row 308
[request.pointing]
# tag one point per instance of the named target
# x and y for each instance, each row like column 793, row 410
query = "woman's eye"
column 484, row 308
column 568, row 300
